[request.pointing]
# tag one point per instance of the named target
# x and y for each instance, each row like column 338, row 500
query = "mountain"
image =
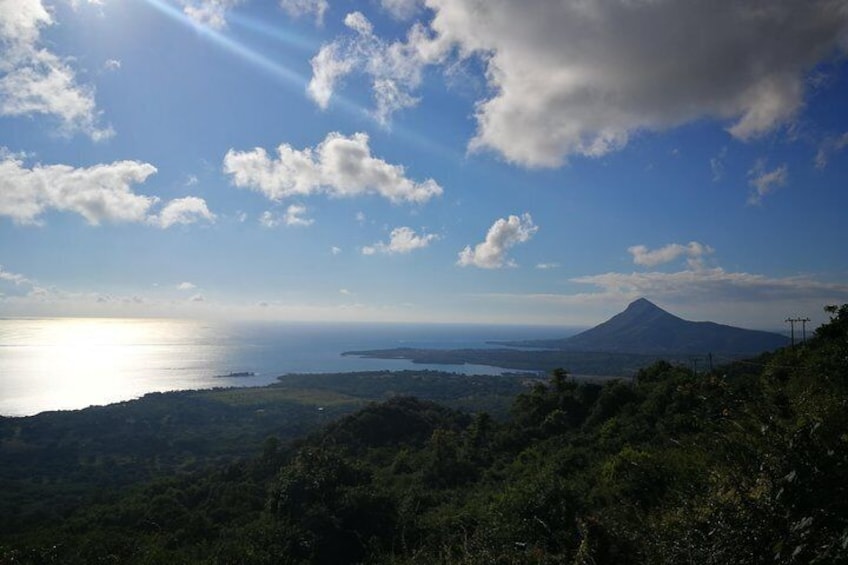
column 643, row 327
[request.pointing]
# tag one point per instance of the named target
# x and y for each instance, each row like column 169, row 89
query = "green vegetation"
column 746, row 464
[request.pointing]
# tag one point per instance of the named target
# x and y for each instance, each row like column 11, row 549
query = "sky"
column 485, row 161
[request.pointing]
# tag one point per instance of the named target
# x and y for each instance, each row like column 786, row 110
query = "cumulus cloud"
column 579, row 78
column 504, row 234
column 182, row 211
column 295, row 216
column 693, row 251
column 338, row 166
column 34, row 80
column 401, row 240
column 763, row 182
column 299, row 8
column 186, row 286
column 546, row 266
column 101, row 193
column 395, row 68
column 269, row 220
column 212, row 13
column 334, row 250
column 112, row 65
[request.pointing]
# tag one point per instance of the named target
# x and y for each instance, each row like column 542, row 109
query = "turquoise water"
column 72, row 363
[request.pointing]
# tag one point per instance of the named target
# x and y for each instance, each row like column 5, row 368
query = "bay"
column 71, row 363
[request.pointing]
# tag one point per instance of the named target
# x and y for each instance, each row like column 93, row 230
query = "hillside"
column 645, row 328
column 742, row 465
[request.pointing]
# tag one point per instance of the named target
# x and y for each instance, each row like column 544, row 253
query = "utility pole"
column 792, row 325
column 803, row 328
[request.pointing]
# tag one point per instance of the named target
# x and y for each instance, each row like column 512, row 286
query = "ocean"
column 71, row 363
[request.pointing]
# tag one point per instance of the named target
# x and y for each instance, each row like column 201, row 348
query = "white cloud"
column 717, row 164
column 298, row 8
column 828, row 147
column 401, row 9
column 764, row 182
column 401, row 240
column 504, row 234
column 183, row 211
column 112, row 65
column 15, row 278
column 395, row 68
column 338, row 166
column 186, row 286
column 34, row 80
column 546, row 266
column 705, row 284
column 197, row 298
column 328, row 66
column 345, row 292
column 335, row 250
column 99, row 193
column 212, row 13
column 295, row 216
column 580, row 78
column 268, row 220
column 693, row 251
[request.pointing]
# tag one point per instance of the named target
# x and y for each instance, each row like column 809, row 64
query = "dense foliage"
column 745, row 464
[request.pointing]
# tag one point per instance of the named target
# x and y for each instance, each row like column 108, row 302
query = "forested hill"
column 645, row 328
column 746, row 464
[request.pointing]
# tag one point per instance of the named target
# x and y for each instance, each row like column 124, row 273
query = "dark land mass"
column 744, row 464
column 577, row 362
column 645, row 328
column 630, row 340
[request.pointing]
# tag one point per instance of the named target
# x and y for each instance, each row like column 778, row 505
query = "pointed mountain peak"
column 643, row 308
column 644, row 327
column 642, row 304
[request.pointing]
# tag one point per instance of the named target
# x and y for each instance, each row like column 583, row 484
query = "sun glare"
column 79, row 362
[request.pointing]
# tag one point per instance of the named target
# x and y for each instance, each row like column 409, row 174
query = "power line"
column 803, row 321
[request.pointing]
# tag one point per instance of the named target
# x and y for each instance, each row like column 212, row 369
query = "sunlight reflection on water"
column 71, row 363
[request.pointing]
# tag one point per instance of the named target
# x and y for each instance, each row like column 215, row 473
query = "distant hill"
column 645, row 328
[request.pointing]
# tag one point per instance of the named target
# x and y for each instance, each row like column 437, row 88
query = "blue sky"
column 494, row 161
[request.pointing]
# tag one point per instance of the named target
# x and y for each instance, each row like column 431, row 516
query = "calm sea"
column 72, row 363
